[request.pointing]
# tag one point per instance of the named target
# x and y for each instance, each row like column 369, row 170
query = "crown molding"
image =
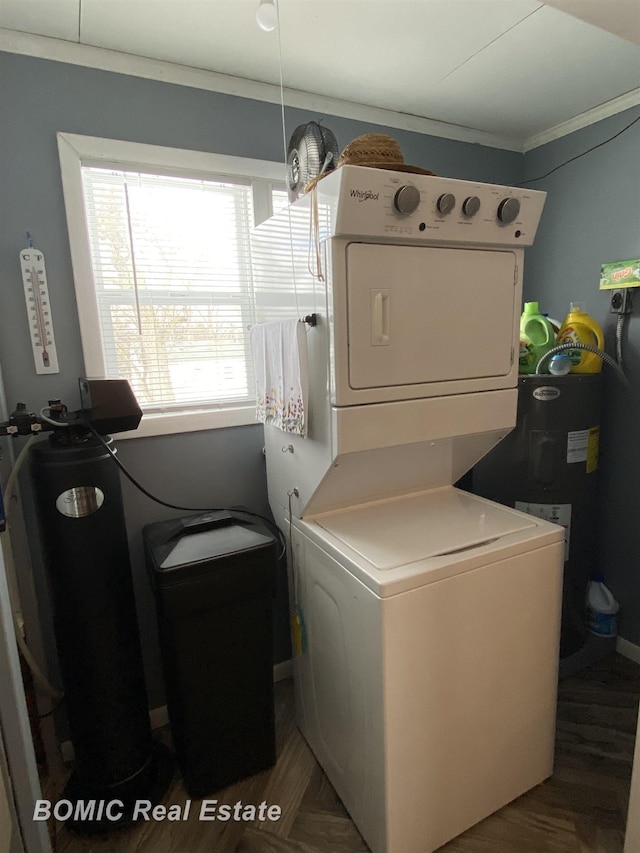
column 606, row 110
column 72, row 53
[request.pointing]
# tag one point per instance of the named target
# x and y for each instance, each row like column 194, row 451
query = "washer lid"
column 405, row 530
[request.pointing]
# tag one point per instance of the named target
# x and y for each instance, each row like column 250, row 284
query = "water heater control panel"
column 402, row 206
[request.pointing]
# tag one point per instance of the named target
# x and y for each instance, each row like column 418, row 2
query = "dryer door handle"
column 380, row 336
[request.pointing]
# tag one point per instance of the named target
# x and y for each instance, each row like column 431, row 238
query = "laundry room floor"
column 581, row 809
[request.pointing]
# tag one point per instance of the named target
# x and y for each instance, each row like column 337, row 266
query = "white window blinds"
column 279, row 199
column 172, row 271
column 286, row 258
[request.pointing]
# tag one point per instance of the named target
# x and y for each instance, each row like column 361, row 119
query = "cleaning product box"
column 620, row 274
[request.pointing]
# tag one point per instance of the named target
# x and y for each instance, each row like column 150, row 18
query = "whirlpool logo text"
column 365, row 195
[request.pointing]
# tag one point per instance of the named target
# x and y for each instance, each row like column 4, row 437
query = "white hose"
column 50, row 420
column 38, row 676
column 12, row 581
column 8, row 492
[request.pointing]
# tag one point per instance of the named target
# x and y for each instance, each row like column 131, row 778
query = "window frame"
column 76, row 151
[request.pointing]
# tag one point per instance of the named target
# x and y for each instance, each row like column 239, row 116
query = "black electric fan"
column 312, row 151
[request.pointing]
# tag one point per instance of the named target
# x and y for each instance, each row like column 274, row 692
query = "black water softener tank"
column 548, row 467
column 79, row 501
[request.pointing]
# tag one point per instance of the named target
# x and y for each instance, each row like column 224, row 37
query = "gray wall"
column 592, row 216
column 39, row 98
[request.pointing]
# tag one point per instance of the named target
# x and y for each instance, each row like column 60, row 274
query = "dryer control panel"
column 400, row 206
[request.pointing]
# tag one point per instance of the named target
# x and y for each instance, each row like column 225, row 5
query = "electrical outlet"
column 621, row 302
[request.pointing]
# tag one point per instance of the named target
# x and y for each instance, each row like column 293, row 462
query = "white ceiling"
column 621, row 17
column 512, row 68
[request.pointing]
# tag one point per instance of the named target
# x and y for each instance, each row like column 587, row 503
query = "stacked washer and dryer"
column 427, row 619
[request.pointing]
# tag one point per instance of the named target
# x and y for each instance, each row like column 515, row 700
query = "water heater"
column 548, row 467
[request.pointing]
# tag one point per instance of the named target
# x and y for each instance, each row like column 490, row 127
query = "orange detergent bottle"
column 579, row 326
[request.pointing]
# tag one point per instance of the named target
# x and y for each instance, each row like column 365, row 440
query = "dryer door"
column 425, row 316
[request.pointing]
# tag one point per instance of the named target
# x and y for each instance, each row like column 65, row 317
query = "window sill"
column 194, row 421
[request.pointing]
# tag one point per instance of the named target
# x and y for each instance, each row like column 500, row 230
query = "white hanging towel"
column 281, row 370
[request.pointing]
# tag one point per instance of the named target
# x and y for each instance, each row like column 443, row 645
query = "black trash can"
column 214, row 578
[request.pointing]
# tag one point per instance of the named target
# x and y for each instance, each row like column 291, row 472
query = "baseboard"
column 159, row 717
column 628, row 649
column 593, row 650
column 283, row 670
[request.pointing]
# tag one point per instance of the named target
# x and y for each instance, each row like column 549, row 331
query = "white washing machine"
column 426, row 663
column 427, row 687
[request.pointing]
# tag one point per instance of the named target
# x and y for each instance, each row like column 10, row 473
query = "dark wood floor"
column 581, row 809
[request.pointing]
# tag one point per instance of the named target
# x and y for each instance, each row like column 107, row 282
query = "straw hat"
column 377, row 151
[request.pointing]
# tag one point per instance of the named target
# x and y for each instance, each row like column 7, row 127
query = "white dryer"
column 426, row 667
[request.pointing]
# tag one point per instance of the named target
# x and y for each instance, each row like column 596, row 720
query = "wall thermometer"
column 36, row 294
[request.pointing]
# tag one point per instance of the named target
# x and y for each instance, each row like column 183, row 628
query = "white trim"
column 58, row 50
column 100, row 58
column 610, row 108
column 70, row 163
column 17, row 760
column 141, row 154
column 159, row 717
column 283, row 670
column 66, row 749
column 151, row 425
column 628, row 649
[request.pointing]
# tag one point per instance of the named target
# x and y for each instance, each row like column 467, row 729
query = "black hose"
column 238, row 514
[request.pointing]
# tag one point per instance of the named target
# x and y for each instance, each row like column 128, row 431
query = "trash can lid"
column 203, row 538
column 211, row 544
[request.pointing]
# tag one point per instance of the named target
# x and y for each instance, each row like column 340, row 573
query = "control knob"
column 446, row 203
column 508, row 209
column 407, row 199
column 471, row 205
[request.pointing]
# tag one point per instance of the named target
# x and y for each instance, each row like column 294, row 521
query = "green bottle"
column 537, row 337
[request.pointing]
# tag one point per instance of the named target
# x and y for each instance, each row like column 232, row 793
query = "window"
column 160, row 242
column 279, row 199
